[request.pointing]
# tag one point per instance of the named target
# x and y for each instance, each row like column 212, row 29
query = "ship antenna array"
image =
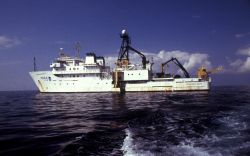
column 78, row 48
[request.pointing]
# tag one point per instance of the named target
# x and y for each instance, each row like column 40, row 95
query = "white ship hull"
column 75, row 74
column 46, row 81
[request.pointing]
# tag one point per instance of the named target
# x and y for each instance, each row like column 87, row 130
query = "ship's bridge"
column 65, row 66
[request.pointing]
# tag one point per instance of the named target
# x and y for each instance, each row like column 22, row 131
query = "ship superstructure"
column 74, row 74
column 130, row 77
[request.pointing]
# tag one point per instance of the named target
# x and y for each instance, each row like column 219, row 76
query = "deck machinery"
column 176, row 62
column 130, row 77
column 124, row 67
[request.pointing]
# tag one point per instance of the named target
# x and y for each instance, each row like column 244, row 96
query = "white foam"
column 234, row 121
column 187, row 148
column 129, row 148
column 136, row 147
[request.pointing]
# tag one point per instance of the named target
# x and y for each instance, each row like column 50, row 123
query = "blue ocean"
column 214, row 123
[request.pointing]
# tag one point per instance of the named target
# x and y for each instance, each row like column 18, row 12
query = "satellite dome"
column 124, row 32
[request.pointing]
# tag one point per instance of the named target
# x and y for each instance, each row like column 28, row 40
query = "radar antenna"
column 61, row 53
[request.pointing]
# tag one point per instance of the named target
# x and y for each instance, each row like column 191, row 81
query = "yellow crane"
column 204, row 73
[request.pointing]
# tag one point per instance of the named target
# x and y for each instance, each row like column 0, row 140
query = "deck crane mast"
column 123, row 58
column 177, row 63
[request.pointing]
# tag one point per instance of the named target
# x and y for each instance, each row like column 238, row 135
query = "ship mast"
column 34, row 64
column 61, row 53
column 123, row 58
column 78, row 48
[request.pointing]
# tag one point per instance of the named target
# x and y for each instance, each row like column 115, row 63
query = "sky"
column 209, row 32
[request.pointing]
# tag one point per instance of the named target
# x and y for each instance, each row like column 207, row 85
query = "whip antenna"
column 78, row 48
column 34, row 63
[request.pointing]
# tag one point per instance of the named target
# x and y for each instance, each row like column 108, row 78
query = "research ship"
column 75, row 74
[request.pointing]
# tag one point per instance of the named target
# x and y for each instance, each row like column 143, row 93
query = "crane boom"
column 215, row 70
column 178, row 64
column 204, row 73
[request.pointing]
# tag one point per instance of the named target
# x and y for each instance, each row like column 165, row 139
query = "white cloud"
column 240, row 35
column 245, row 51
column 236, row 63
column 191, row 61
column 241, row 65
column 110, row 61
column 7, row 42
column 245, row 67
